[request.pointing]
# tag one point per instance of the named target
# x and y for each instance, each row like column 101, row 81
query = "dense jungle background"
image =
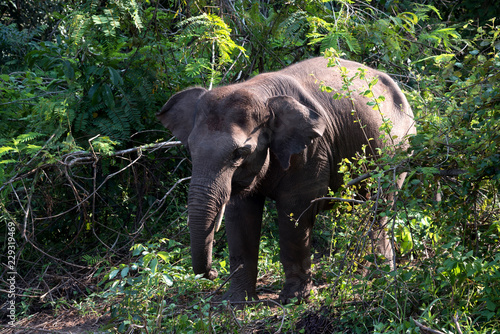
column 93, row 190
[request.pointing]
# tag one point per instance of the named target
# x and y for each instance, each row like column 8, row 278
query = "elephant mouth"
column 218, row 219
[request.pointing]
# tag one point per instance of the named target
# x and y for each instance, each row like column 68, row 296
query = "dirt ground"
column 67, row 322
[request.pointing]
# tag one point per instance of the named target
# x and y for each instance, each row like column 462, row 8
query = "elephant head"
column 231, row 133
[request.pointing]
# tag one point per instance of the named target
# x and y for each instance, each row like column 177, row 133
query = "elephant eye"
column 240, row 153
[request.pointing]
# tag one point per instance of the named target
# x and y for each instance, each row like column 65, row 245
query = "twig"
column 160, row 202
column 451, row 172
column 425, row 328
column 18, row 294
column 95, row 191
column 55, row 258
column 94, row 179
column 225, row 281
column 455, row 320
column 359, row 179
column 337, row 199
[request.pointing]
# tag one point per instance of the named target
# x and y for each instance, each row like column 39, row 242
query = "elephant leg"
column 295, row 253
column 243, row 225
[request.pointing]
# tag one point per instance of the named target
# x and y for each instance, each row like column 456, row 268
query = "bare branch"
column 337, row 199
column 82, row 157
column 455, row 320
column 425, row 328
column 225, row 281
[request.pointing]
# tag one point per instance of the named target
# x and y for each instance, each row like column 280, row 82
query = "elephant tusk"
column 218, row 219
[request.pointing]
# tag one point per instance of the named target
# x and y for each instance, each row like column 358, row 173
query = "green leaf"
column 408, row 16
column 116, row 79
column 137, row 249
column 164, row 256
column 167, row 279
column 444, row 58
column 69, row 72
column 125, row 271
column 153, row 265
column 107, row 96
column 92, row 92
column 113, row 273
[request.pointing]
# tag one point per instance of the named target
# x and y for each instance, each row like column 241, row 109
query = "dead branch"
column 89, row 196
column 337, row 199
column 67, row 161
column 455, row 320
column 160, row 203
column 84, row 157
column 225, row 281
column 425, row 328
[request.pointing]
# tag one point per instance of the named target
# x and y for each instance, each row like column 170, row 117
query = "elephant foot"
column 296, row 289
column 239, row 297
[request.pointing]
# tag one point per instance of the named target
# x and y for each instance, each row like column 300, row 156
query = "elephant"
column 276, row 136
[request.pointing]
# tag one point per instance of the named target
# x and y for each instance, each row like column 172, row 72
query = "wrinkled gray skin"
column 278, row 136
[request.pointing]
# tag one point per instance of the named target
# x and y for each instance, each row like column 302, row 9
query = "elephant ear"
column 178, row 113
column 294, row 126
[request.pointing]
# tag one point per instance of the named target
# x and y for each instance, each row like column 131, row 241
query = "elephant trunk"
column 206, row 207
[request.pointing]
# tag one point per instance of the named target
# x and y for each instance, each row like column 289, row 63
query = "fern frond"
column 132, row 9
column 80, row 25
column 97, row 107
column 121, row 125
column 26, row 137
column 108, row 22
column 5, row 149
column 295, row 25
column 92, row 260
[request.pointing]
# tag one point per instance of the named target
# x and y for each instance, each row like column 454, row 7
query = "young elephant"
column 277, row 135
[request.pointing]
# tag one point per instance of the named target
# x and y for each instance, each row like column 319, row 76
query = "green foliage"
column 150, row 291
column 15, row 44
column 448, row 248
column 207, row 33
